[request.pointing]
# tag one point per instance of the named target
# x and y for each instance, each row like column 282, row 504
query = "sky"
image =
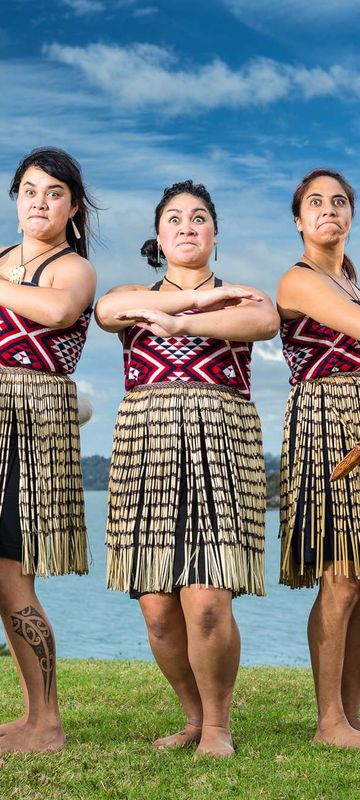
column 244, row 97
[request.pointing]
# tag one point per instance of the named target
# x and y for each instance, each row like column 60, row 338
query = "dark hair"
column 348, row 266
column 150, row 247
column 62, row 166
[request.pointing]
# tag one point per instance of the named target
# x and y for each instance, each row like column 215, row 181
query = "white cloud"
column 147, row 11
column 85, row 7
column 269, row 351
column 86, row 387
column 147, row 77
column 262, row 15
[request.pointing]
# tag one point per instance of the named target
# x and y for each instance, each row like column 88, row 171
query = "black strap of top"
column 156, row 286
column 37, row 273
column 7, row 250
column 304, row 265
column 35, row 278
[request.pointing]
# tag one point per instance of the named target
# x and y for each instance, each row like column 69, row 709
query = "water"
column 91, row 622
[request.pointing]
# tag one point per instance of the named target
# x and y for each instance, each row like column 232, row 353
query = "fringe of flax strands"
column 44, row 407
column 156, row 427
column 323, row 420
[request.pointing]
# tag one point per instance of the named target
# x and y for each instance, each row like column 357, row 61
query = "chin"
column 332, row 238
column 37, row 230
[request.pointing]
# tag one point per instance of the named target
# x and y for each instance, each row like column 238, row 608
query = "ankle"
column 40, row 721
column 331, row 720
column 194, row 723
column 217, row 727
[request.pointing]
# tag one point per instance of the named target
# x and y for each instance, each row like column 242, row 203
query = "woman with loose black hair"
column 61, row 165
column 46, row 293
column 187, row 488
column 347, row 266
column 319, row 305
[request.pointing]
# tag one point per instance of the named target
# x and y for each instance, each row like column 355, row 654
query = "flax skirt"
column 187, row 491
column 320, row 521
column 41, row 495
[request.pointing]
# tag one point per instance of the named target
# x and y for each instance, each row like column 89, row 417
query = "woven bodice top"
column 313, row 350
column 153, row 359
column 25, row 343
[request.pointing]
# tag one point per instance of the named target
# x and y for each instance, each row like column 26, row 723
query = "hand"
column 157, row 322
column 223, row 297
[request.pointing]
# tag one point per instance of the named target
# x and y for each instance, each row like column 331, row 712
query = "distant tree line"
column 272, row 467
column 95, row 471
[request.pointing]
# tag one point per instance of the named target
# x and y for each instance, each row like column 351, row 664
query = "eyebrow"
column 318, row 194
column 51, row 185
column 179, row 210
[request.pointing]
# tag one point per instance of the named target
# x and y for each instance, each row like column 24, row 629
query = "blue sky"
column 242, row 96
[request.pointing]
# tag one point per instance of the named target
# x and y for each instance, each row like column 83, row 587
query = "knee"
column 345, row 594
column 159, row 626
column 349, row 596
column 208, row 620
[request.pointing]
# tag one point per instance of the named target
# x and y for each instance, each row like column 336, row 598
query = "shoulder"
column 297, row 278
column 68, row 271
column 71, row 261
column 129, row 287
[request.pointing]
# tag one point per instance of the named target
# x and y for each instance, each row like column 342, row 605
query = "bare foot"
column 215, row 741
column 340, row 735
column 190, row 734
column 9, row 727
column 29, row 739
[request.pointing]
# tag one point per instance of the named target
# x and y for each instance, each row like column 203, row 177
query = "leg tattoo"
column 29, row 624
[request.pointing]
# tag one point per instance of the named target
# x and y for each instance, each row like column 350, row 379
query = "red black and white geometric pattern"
column 24, row 343
column 313, row 350
column 154, row 359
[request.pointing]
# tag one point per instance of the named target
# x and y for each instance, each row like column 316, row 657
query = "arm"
column 70, row 289
column 122, row 298
column 305, row 292
column 251, row 320
column 112, row 310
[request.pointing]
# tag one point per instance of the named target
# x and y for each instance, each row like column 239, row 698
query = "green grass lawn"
column 112, row 710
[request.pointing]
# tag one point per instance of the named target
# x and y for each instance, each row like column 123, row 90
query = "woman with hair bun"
column 187, row 486
column 319, row 304
column 47, row 288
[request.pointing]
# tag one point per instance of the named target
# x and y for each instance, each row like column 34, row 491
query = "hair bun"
column 150, row 251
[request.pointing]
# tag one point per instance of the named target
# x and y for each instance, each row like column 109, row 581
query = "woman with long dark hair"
column 187, row 485
column 319, row 304
column 47, row 287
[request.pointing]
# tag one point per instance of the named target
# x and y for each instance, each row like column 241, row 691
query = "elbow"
column 102, row 318
column 271, row 327
column 61, row 321
column 63, row 316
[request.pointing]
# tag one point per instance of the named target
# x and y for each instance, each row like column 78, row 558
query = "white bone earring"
column 77, row 233
column 19, row 228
